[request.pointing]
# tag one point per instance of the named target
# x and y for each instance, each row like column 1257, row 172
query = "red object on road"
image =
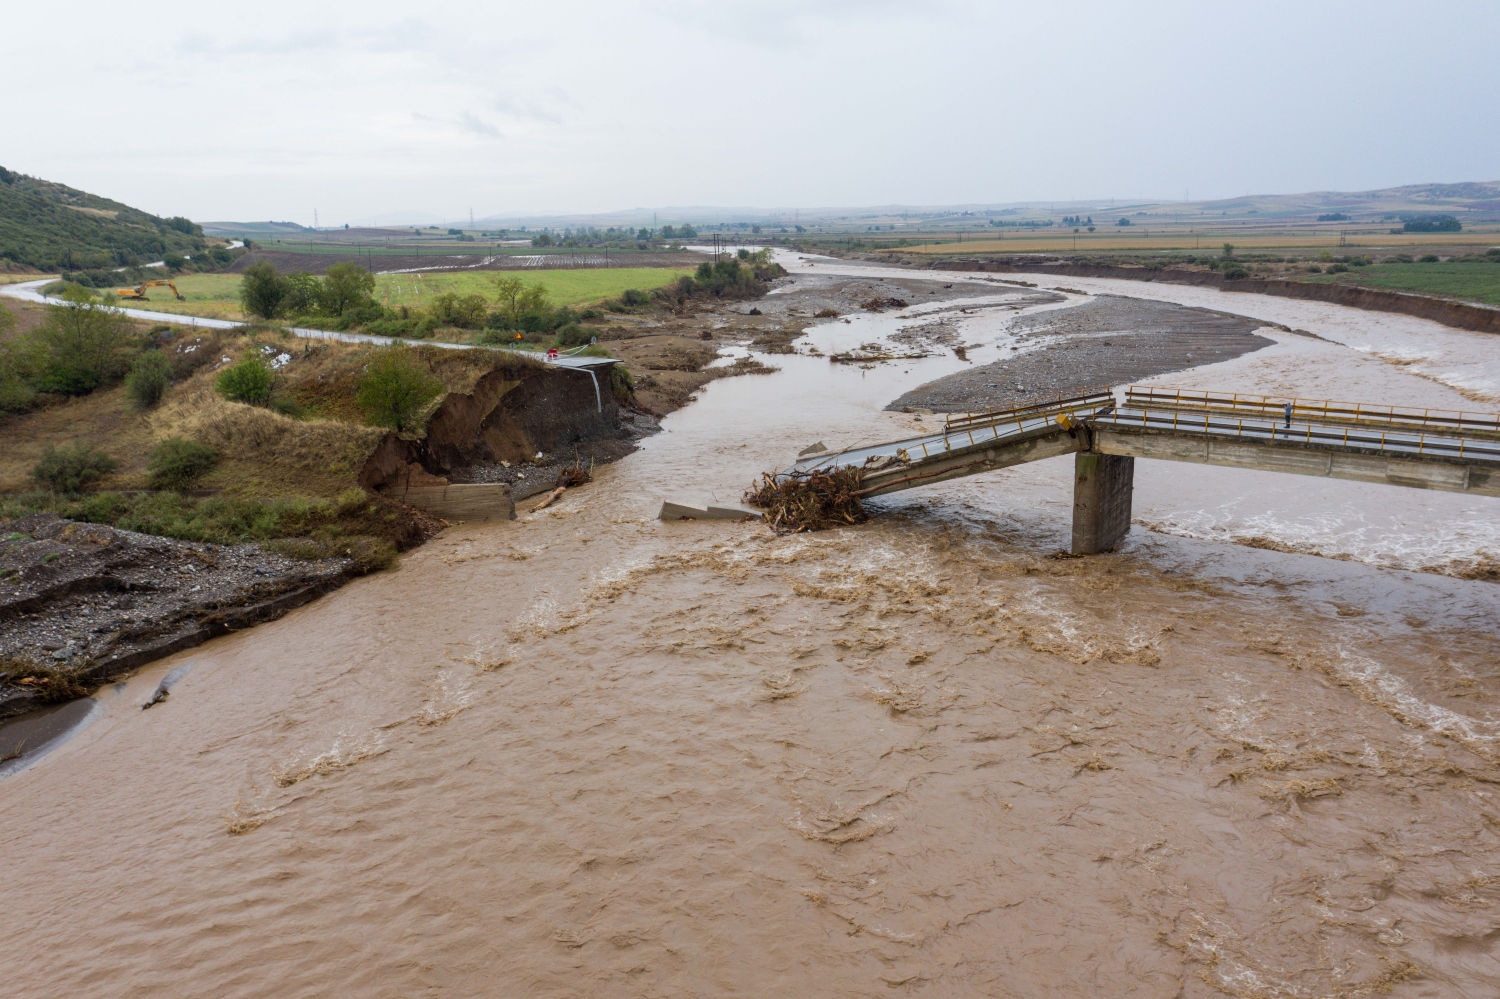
column 552, row 354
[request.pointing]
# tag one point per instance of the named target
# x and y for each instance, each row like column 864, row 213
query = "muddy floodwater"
column 1255, row 752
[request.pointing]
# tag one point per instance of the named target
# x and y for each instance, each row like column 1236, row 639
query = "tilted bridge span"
column 1420, row 448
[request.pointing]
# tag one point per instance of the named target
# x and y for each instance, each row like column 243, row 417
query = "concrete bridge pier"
column 1102, row 488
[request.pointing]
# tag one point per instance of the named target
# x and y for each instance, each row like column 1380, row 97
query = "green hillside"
column 53, row 227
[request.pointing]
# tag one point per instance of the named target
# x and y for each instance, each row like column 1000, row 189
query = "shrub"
column 72, row 468
column 1337, row 268
column 1429, row 258
column 466, row 312
column 247, row 381
column 177, row 464
column 263, row 290
column 573, row 335
column 1234, row 272
column 345, row 287
column 149, row 377
column 78, row 346
column 395, row 389
column 302, row 293
column 621, row 384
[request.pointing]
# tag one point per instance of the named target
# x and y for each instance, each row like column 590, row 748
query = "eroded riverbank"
column 594, row 753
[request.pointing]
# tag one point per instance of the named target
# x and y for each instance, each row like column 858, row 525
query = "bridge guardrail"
column 1456, row 422
column 1091, row 400
column 1401, row 442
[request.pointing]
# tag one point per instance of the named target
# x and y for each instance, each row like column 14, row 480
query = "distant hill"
column 258, row 229
column 53, row 227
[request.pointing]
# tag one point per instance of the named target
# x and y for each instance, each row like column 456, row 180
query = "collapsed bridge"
column 1420, row 448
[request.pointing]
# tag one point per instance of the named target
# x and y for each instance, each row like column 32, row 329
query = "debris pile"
column 809, row 501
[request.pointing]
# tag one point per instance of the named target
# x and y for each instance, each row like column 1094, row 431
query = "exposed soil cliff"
column 517, row 409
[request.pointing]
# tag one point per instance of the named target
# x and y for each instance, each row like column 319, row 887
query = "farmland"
column 1469, row 280
column 217, row 296
column 579, row 286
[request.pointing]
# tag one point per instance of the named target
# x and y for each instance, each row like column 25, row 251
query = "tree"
column 1123, row 221
column 78, row 346
column 247, row 381
column 149, row 377
column 395, row 389
column 1228, row 250
column 465, row 312
column 345, row 287
column 303, row 293
column 263, row 290
column 515, row 298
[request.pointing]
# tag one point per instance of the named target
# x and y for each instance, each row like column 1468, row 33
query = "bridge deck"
column 1422, row 448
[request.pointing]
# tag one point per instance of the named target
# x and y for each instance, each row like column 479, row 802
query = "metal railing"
column 1454, row 422
column 1090, row 401
column 1261, row 429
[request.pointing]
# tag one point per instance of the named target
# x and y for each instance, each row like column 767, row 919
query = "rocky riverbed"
column 89, row 602
column 1103, row 340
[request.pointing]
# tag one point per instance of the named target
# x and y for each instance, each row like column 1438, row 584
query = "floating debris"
column 809, row 501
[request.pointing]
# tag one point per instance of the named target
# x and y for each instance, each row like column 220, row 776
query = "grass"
column 217, row 296
column 573, row 286
column 356, row 525
column 1472, row 281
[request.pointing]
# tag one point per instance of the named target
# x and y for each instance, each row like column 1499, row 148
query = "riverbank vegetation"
column 252, row 434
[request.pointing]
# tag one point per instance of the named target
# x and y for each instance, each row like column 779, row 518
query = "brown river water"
column 589, row 753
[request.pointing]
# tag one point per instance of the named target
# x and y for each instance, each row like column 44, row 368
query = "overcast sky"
column 377, row 111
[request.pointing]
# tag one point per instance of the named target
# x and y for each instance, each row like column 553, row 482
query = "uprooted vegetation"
column 810, row 501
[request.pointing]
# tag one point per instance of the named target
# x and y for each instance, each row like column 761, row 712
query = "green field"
column 217, row 296
column 575, row 286
column 1472, row 281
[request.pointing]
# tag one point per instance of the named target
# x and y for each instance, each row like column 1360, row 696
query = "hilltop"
column 46, row 226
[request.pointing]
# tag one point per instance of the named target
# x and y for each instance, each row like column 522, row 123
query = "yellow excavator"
column 138, row 293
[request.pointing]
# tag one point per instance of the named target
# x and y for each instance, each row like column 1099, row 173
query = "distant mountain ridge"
column 46, row 226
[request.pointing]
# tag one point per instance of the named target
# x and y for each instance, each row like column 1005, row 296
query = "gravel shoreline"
column 1105, row 340
column 98, row 601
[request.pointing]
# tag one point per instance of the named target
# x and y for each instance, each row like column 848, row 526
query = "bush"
column 78, row 347
column 247, row 381
column 395, row 389
column 263, row 290
column 1234, row 272
column 573, row 335
column 632, row 296
column 148, row 379
column 345, row 287
column 177, row 464
column 1429, row 258
column 302, row 293
column 621, row 384
column 72, row 468
column 1337, row 268
column 466, row 312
